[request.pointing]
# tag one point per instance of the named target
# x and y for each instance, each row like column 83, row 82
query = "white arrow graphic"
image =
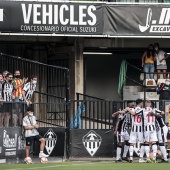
column 148, row 20
column 1, row 14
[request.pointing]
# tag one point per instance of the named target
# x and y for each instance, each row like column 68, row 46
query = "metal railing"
column 81, row 96
column 47, row 114
column 88, row 114
column 52, row 85
column 97, row 114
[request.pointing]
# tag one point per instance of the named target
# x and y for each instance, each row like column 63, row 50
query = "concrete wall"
column 102, row 74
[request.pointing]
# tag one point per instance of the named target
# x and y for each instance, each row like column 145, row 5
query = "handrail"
column 124, row 64
column 50, row 123
column 33, row 61
column 49, row 95
column 134, row 81
column 135, row 67
column 98, row 121
column 89, row 96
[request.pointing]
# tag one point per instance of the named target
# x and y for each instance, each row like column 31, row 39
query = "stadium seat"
column 146, row 82
column 161, row 81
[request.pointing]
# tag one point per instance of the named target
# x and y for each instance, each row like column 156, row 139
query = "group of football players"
column 147, row 128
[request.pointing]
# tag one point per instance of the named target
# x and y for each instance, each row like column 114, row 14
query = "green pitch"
column 86, row 166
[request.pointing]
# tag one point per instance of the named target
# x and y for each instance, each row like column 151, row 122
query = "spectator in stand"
column 4, row 75
column 1, row 104
column 18, row 84
column 165, row 92
column 28, row 90
column 148, row 61
column 7, row 94
column 161, row 57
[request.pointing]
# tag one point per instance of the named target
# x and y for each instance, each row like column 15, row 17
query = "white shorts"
column 122, row 136
column 136, row 137
column 150, row 136
column 162, row 134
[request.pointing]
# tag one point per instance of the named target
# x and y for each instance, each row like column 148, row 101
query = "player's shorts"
column 162, row 134
column 29, row 140
column 122, row 136
column 150, row 136
column 136, row 137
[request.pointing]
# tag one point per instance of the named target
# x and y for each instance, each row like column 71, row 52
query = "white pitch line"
column 52, row 166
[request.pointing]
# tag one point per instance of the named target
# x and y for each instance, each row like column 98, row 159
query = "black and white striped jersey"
column 137, row 120
column 159, row 120
column 29, row 90
column 149, row 120
column 124, row 121
column 7, row 89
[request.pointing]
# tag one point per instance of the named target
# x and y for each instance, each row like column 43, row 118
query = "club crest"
column 51, row 140
column 92, row 142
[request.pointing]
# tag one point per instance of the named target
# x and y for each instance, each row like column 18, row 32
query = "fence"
column 88, row 114
column 52, row 86
column 47, row 114
column 97, row 114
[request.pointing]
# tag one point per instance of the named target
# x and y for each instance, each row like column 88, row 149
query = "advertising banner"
column 137, row 20
column 88, row 19
column 55, row 141
column 11, row 143
column 91, row 143
column 51, row 17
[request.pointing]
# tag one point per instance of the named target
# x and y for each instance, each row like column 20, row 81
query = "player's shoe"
column 43, row 155
column 164, row 161
column 148, row 161
column 125, row 159
column 118, row 161
column 131, row 161
column 153, row 160
column 142, row 161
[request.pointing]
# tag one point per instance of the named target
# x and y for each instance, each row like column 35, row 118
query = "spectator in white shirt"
column 30, row 126
column 161, row 57
column 27, row 93
column 28, row 90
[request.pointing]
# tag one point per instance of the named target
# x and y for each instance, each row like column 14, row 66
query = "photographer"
column 30, row 125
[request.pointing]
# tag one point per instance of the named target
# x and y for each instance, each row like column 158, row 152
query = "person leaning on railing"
column 161, row 57
column 28, row 91
column 148, row 61
column 18, row 84
column 7, row 94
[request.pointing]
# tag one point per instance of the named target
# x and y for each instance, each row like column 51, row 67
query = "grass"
column 86, row 166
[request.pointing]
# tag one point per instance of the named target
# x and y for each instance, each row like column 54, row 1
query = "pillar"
column 76, row 68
